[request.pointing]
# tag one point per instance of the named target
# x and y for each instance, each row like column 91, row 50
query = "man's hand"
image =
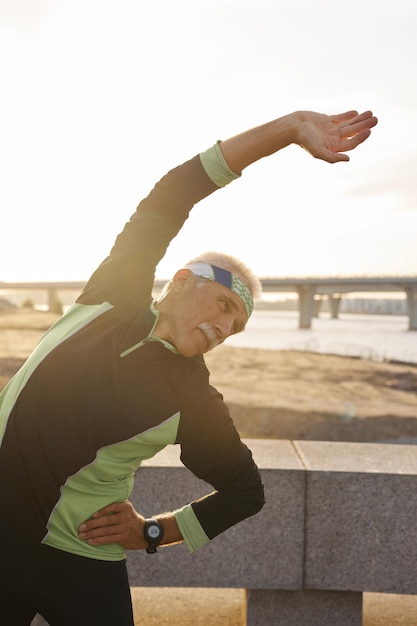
column 328, row 137
column 116, row 523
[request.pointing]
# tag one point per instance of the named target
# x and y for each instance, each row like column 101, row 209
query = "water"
column 376, row 337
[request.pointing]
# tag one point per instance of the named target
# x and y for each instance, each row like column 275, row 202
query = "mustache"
column 212, row 337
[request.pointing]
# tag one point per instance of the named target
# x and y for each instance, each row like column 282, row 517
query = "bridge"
column 309, row 290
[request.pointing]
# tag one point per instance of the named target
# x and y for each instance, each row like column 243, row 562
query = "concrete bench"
column 340, row 520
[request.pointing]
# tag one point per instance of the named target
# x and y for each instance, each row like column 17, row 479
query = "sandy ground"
column 299, row 395
column 280, row 394
column 226, row 607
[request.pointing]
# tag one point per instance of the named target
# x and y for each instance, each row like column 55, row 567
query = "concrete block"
column 264, row 551
column 303, row 608
column 361, row 516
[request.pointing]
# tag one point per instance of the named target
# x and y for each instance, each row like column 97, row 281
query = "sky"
column 100, row 98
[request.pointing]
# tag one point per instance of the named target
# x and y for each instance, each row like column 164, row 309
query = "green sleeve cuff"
column 190, row 528
column 216, row 166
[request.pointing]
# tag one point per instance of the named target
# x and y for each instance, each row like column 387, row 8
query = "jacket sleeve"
column 127, row 275
column 212, row 449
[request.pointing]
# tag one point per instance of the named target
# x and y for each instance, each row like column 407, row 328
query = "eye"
column 225, row 305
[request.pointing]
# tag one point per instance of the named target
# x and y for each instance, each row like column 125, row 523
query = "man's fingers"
column 353, row 117
column 105, row 530
column 122, row 533
column 105, row 540
column 103, row 536
column 114, row 507
column 367, row 116
column 103, row 520
column 108, row 515
column 344, row 117
column 363, row 122
column 102, row 531
column 116, row 523
column 351, row 142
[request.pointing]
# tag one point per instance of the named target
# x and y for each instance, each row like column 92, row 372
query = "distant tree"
column 28, row 304
column 57, row 306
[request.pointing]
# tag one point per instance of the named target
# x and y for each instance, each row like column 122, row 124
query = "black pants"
column 67, row 590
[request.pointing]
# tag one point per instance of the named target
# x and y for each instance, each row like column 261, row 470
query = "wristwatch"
column 153, row 533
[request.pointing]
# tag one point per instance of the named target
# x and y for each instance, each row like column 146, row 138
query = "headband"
column 226, row 278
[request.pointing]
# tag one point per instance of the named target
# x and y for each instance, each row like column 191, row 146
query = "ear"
column 180, row 279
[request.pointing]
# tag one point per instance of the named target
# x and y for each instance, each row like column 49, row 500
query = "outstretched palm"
column 327, row 137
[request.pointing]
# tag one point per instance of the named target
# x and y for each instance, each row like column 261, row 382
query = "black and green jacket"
column 99, row 394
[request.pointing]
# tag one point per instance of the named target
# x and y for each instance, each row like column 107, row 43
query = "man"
column 118, row 378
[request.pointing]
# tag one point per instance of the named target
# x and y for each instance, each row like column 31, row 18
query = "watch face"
column 153, row 531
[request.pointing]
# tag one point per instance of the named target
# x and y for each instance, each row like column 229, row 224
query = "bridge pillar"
column 412, row 307
column 334, row 305
column 306, row 304
column 316, row 307
column 51, row 298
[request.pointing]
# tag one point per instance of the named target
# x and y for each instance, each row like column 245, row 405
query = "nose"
column 224, row 327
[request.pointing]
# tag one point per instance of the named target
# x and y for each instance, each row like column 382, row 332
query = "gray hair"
column 226, row 262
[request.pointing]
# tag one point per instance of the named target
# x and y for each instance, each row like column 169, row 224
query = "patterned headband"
column 226, row 278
